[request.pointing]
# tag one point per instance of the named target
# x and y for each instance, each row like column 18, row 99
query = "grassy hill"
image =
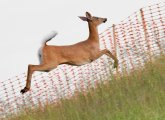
column 137, row 96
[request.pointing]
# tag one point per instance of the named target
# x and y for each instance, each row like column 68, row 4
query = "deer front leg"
column 108, row 53
column 31, row 69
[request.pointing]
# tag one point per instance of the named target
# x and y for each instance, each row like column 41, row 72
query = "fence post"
column 115, row 43
column 114, row 38
column 145, row 32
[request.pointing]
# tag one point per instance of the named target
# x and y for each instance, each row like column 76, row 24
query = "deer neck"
column 93, row 32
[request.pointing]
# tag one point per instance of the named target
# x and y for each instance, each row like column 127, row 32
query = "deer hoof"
column 24, row 90
column 115, row 64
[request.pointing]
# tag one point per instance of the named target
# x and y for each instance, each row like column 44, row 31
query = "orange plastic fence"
column 135, row 40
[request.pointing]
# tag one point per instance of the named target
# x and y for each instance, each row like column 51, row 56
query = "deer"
column 77, row 54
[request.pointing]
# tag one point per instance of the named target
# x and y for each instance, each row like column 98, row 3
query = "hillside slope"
column 137, row 96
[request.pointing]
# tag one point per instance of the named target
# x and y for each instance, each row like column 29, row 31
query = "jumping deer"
column 77, row 54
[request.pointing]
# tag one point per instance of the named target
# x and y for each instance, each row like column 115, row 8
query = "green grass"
column 137, row 96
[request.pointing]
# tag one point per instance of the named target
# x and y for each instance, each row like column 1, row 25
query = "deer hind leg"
column 31, row 69
column 108, row 53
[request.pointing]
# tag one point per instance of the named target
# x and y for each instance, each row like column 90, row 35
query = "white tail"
column 48, row 37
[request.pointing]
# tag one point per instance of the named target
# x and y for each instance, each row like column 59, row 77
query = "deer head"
column 92, row 19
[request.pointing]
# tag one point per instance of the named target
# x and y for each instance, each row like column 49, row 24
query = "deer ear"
column 83, row 18
column 88, row 15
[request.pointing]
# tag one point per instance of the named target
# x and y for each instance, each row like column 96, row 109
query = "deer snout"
column 105, row 19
